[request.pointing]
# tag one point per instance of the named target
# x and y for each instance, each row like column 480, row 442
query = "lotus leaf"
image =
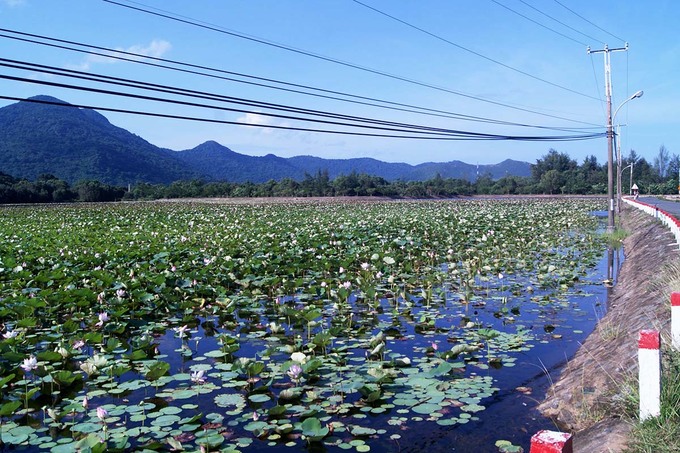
column 228, row 400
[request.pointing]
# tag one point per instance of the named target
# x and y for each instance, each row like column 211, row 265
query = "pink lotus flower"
column 294, row 372
column 102, row 413
column 103, row 317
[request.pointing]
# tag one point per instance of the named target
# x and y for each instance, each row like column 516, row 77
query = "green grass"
column 661, row 434
column 615, row 238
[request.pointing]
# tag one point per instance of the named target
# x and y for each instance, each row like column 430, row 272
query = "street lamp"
column 630, row 184
column 619, row 171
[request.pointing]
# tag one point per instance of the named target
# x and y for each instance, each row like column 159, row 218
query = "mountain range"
column 46, row 135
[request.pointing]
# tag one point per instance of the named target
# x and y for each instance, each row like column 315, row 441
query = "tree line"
column 554, row 173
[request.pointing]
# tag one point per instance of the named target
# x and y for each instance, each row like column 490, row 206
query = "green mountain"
column 220, row 163
column 46, row 135
column 400, row 171
column 75, row 144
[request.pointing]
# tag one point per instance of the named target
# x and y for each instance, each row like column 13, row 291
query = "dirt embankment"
column 587, row 398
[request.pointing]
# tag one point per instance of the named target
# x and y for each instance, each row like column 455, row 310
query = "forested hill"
column 76, row 144
column 48, row 136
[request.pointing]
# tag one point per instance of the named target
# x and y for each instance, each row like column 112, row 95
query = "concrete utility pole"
column 610, row 129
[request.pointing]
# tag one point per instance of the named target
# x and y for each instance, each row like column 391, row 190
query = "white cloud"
column 254, row 118
column 156, row 49
column 257, row 119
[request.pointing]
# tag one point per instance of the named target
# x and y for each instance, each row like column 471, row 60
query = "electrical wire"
column 561, row 23
column 597, row 84
column 135, row 58
column 227, row 109
column 591, row 23
column 167, row 15
column 52, row 70
column 210, row 120
column 538, row 23
column 472, row 51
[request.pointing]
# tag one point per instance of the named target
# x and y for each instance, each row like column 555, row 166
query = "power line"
column 167, row 15
column 136, row 58
column 44, row 69
column 471, row 51
column 536, row 22
column 597, row 84
column 210, row 120
column 228, row 109
column 591, row 23
column 560, row 22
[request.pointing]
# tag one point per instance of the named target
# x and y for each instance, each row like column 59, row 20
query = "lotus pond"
column 329, row 326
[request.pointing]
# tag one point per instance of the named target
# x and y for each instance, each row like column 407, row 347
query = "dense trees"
column 554, row 173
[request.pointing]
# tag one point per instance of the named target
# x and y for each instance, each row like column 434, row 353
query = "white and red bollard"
column 649, row 362
column 551, row 442
column 675, row 320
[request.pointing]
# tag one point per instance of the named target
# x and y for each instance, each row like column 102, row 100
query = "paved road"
column 670, row 206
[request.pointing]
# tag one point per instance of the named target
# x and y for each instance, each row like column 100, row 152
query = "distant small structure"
column 635, row 190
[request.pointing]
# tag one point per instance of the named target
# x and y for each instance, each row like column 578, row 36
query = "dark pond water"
column 555, row 322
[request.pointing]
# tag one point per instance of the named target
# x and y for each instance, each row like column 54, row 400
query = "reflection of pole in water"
column 610, row 272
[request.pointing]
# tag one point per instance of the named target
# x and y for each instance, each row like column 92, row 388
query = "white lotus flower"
column 29, row 364
column 198, row 377
column 181, row 331
column 99, row 361
column 298, row 357
column 10, row 334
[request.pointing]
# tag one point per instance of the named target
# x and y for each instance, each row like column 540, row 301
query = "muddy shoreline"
column 587, row 399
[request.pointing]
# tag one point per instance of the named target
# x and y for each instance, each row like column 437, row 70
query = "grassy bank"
column 661, row 434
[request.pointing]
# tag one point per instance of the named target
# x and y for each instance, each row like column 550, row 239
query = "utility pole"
column 618, row 170
column 610, row 129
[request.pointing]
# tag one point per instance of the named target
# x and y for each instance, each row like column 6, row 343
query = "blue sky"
column 506, row 67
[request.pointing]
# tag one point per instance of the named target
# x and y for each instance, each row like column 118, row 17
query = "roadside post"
column 675, row 320
column 551, row 442
column 649, row 364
